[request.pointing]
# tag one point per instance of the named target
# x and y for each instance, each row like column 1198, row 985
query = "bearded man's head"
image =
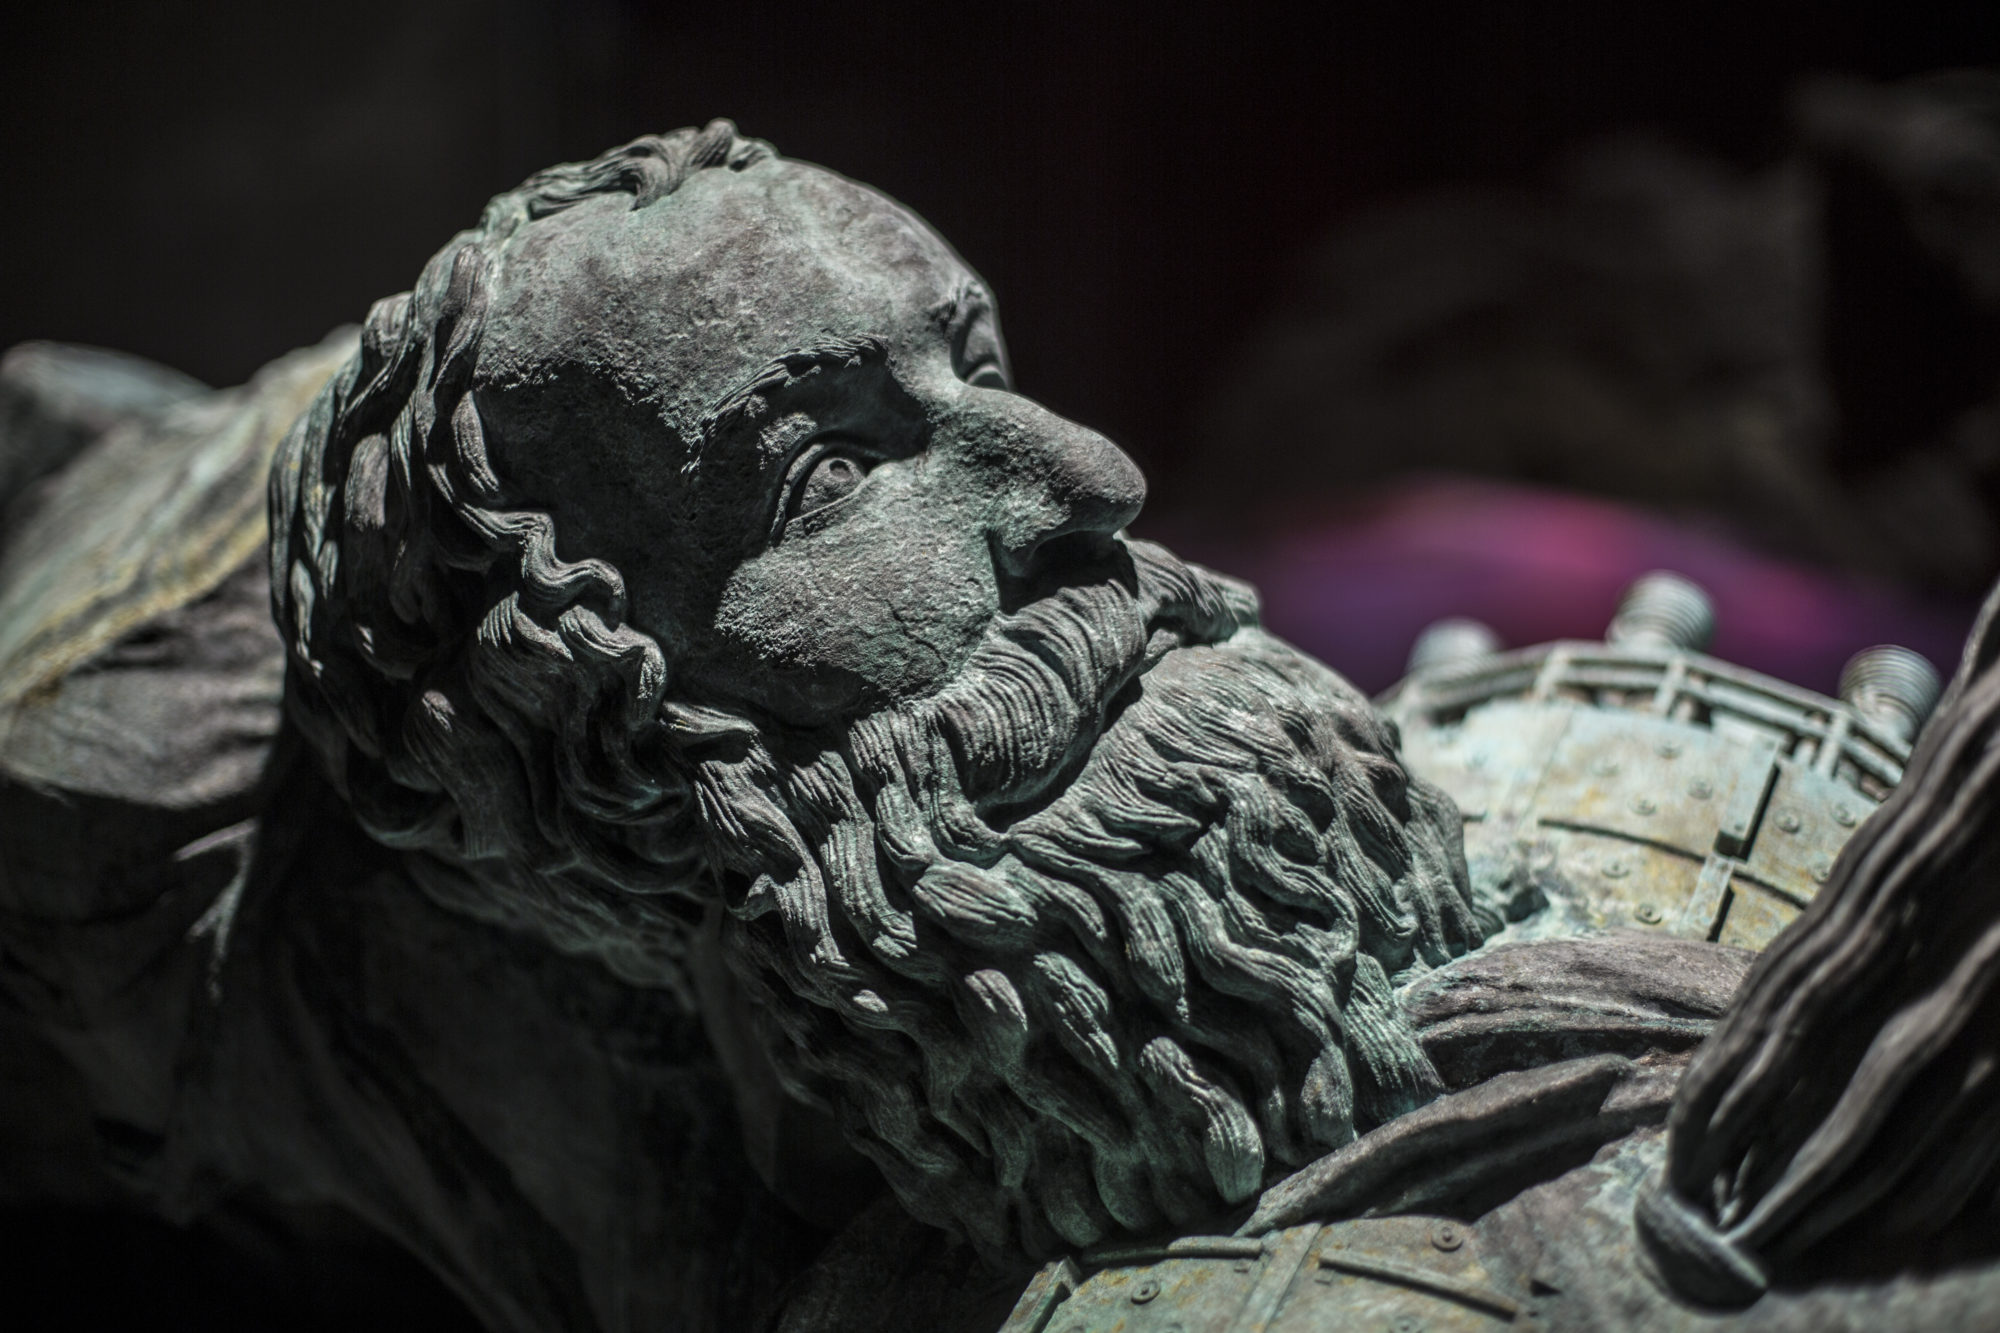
column 681, row 541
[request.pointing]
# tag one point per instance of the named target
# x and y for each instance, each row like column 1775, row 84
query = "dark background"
column 212, row 184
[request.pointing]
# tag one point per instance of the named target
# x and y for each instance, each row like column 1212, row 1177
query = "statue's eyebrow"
column 958, row 316
column 967, row 304
column 749, row 402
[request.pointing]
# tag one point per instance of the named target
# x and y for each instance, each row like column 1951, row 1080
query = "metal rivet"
column 1145, row 1291
column 1648, row 914
column 1407, row 1323
column 1821, row 869
column 1700, row 790
column 1788, row 822
column 1843, row 816
column 1616, row 870
column 1642, row 805
column 1667, row 750
column 1242, row 1265
column 1446, row 1236
column 1605, row 768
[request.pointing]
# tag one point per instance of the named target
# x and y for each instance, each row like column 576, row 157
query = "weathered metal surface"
column 1396, row 1274
column 1653, row 787
column 884, row 695
column 1560, row 1257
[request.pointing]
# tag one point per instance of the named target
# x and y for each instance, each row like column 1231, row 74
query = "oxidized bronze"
column 655, row 777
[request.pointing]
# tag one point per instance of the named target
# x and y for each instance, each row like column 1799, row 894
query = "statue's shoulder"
column 141, row 676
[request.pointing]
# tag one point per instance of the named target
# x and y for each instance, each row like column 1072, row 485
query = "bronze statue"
column 724, row 813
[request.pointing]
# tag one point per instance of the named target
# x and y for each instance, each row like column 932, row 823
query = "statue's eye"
column 832, row 476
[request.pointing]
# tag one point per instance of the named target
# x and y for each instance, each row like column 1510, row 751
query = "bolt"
column 1663, row 610
column 1446, row 1236
column 1821, row 869
column 1642, row 805
column 1407, row 1323
column 1667, row 750
column 1456, row 642
column 1616, row 870
column 1145, row 1291
column 1700, row 790
column 1894, row 688
column 1648, row 914
column 1605, row 768
column 1788, row 822
column 1843, row 816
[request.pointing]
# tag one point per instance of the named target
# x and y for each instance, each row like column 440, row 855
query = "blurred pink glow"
column 1356, row 584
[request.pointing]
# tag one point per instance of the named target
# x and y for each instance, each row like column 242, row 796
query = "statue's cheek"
column 885, row 605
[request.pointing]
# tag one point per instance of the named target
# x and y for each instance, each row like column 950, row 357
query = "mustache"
column 1041, row 686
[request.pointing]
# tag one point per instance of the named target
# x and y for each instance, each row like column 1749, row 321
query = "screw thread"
column 1663, row 610
column 1892, row 687
column 1451, row 641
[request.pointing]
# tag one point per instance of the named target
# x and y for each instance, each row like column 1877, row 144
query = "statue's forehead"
column 680, row 300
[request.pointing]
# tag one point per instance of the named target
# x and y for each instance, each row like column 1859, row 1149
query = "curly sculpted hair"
column 477, row 699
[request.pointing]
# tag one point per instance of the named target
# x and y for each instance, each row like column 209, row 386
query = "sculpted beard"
column 1102, row 934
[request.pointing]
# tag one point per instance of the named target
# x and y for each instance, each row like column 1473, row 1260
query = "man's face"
column 1073, row 922
column 840, row 537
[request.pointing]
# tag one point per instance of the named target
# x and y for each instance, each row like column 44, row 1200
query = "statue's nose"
column 1062, row 480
